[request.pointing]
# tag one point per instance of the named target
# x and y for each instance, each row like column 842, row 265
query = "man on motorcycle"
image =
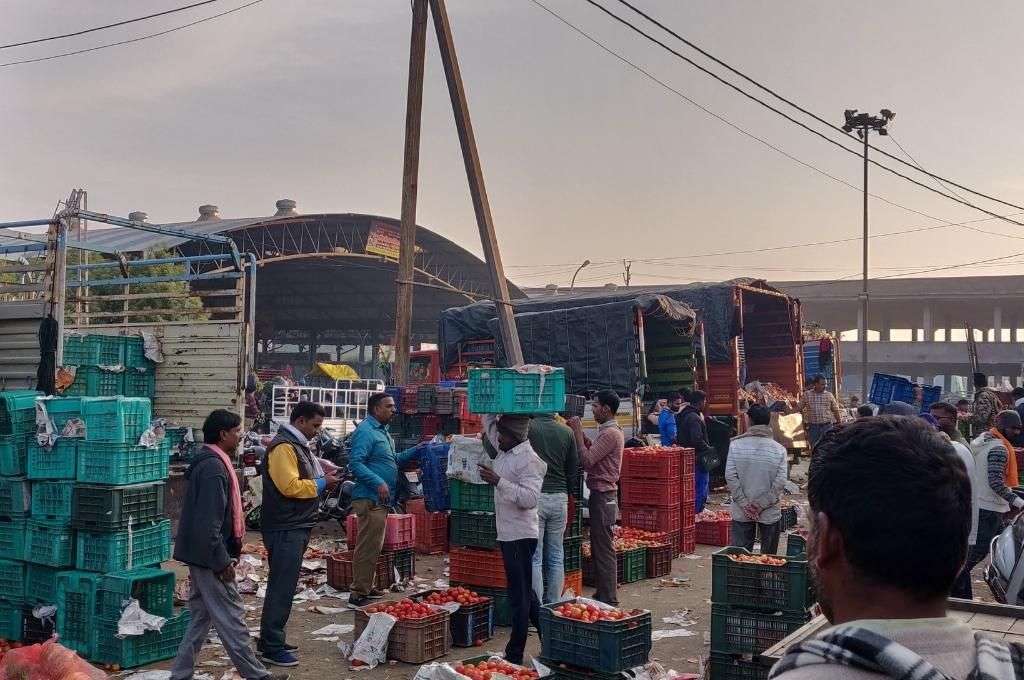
column 293, row 479
column 374, row 464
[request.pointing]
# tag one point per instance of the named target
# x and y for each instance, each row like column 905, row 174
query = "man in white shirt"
column 946, row 416
column 756, row 474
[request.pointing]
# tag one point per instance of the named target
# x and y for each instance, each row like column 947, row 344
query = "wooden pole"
column 475, row 175
column 410, row 184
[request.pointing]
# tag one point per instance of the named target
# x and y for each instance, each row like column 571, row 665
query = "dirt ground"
column 320, row 658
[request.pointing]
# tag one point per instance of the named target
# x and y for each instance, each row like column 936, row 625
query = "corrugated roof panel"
column 130, row 240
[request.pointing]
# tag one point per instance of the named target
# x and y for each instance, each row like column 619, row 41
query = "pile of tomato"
column 714, row 516
column 403, row 610
column 486, row 669
column 463, row 596
column 588, row 613
column 758, row 559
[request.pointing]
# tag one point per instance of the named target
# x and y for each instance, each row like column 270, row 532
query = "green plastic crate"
column 18, row 411
column 574, row 525
column 62, row 409
column 563, row 671
column 506, row 390
column 135, row 352
column 631, row 565
column 12, row 581
column 94, row 350
column 14, row 453
column 744, row 631
column 15, row 497
column 796, row 545
column 57, row 462
column 117, row 420
column 50, row 543
column 760, row 586
column 52, row 501
column 109, row 508
column 10, row 622
column 12, row 539
column 604, row 646
column 140, row 650
column 140, row 382
column 470, row 497
column 729, row 667
column 573, row 553
column 477, row 529
column 76, row 611
column 153, row 588
column 41, row 584
column 106, row 552
column 120, row 464
column 95, row 382
column 499, row 597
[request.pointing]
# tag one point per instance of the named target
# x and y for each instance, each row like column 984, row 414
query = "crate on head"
column 603, row 646
column 18, row 411
column 412, row 641
column 96, row 381
column 140, row 650
column 59, row 461
column 110, row 508
column 470, row 497
column 51, row 501
column 144, row 545
column 339, row 570
column 116, row 420
column 717, row 532
column 735, row 630
column 477, row 567
column 49, row 543
column 14, row 454
column 506, row 390
column 12, row 581
column 432, row 533
column 477, row 529
column 883, row 387
column 153, row 588
column 433, row 476
column 76, row 610
column 12, row 539
column 119, row 464
column 779, row 587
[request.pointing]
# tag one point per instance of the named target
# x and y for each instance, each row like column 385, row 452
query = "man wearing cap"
column 820, row 410
column 517, row 474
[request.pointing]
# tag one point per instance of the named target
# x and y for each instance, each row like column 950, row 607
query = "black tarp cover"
column 713, row 302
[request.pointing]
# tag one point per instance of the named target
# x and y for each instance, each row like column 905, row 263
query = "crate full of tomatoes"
column 713, row 527
column 659, row 547
column 485, row 668
column 760, row 582
column 420, row 633
column 473, row 623
column 592, row 635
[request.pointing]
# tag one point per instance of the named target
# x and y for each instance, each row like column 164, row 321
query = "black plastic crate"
column 404, row 562
column 35, row 629
column 573, row 553
column 109, row 508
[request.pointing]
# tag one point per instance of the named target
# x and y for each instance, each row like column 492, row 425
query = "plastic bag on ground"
column 371, row 648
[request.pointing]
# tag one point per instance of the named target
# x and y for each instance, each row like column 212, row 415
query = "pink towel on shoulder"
column 237, row 520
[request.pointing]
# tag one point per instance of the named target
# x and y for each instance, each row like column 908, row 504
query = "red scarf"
column 237, row 519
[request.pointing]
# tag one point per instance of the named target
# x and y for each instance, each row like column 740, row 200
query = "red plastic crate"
column 399, row 534
column 409, row 394
column 651, row 463
column 477, row 567
column 687, row 542
column 713, row 533
column 432, row 533
column 663, row 493
column 431, row 426
column 470, row 427
column 651, row 518
column 415, row 506
column 686, row 466
column 339, row 570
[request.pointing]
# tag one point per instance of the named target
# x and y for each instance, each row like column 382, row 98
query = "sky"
column 584, row 157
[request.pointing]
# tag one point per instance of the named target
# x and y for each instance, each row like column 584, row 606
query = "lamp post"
column 864, row 123
column 572, row 284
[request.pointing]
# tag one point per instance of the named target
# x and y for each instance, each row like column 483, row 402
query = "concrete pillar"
column 926, row 324
column 860, row 323
column 997, row 324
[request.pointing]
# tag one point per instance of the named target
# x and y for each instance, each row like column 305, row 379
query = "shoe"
column 286, row 647
column 278, row 676
column 376, row 594
column 282, row 658
column 357, row 601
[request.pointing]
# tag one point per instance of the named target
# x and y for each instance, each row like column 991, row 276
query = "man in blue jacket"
column 374, row 463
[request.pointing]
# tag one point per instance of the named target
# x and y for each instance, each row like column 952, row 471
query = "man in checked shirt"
column 820, row 410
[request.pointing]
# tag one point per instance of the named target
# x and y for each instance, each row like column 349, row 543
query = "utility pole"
column 410, row 185
column 864, row 124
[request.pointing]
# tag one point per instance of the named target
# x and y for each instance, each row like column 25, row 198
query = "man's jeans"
column 815, row 431
column 989, row 524
column 518, row 556
column 285, row 550
column 549, row 558
column 743, row 534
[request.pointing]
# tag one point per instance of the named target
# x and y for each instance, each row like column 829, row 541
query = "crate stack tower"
column 109, row 366
column 754, row 606
column 657, row 493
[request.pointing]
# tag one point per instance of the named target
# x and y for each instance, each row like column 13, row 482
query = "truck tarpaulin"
column 593, row 339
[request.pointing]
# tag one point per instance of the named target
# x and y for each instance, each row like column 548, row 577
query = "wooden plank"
column 21, row 268
column 159, row 312
column 154, row 296
column 23, row 288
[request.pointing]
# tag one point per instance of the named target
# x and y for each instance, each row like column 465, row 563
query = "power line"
column 100, row 28
column 907, row 154
column 133, row 40
column 913, row 164
column 801, row 124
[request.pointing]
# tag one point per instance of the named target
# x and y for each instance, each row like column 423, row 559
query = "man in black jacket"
column 692, row 433
column 208, row 541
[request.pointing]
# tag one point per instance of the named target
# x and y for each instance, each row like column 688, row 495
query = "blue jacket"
column 667, row 426
column 373, row 461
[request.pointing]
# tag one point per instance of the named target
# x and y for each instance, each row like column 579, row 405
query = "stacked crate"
column 109, row 365
column 475, row 560
column 657, row 492
column 754, row 606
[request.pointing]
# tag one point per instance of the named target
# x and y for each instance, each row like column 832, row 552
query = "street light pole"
column 572, row 284
column 863, row 124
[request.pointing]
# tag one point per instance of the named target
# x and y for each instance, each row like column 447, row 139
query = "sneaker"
column 282, row 658
column 376, row 594
column 286, row 647
column 357, row 601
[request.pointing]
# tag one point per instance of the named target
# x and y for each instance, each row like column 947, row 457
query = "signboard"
column 383, row 240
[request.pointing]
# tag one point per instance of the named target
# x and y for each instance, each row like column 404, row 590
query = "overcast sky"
column 583, row 156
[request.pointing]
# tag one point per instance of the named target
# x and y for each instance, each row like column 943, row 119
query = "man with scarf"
column 995, row 475
column 883, row 571
column 756, row 474
column 293, row 479
column 209, row 541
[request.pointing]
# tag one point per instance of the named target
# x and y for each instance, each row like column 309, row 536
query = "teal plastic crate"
column 470, row 497
column 118, row 464
column 135, row 352
column 94, row 350
column 10, row 622
column 14, row 453
column 93, row 382
column 140, row 650
column 62, row 409
column 18, row 411
column 604, row 646
column 118, row 420
column 41, row 584
column 109, row 508
column 52, row 501
column 76, row 611
column 783, row 588
column 140, row 382
column 59, row 461
column 506, row 390
column 15, row 497
column 106, row 552
column 50, row 543
column 12, row 539
column 475, row 529
column 153, row 588
column 742, row 631
column 12, row 581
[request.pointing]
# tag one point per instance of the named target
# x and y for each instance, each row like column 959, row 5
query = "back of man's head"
column 980, row 380
column 1017, row 393
column 759, row 415
column 896, row 503
column 1008, row 420
column 697, row 398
